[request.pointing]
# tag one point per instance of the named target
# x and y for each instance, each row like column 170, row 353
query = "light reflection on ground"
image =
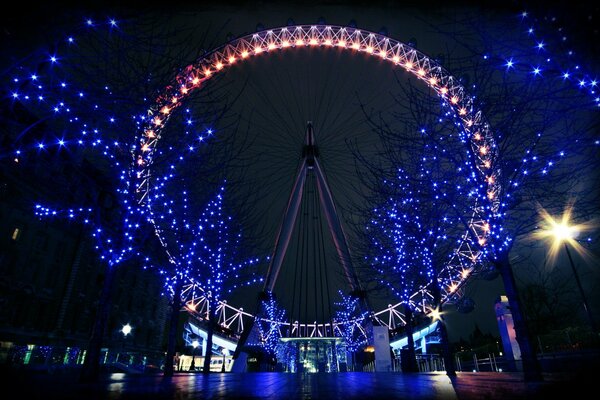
column 271, row 385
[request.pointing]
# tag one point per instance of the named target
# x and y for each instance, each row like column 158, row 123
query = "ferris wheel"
column 465, row 260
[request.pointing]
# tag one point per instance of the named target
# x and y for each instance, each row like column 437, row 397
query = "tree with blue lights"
column 398, row 257
column 541, row 108
column 84, row 100
column 204, row 254
column 270, row 318
column 215, row 260
column 416, row 205
column 349, row 321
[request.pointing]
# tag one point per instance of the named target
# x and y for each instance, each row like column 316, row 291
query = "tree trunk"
column 91, row 364
column 173, row 325
column 449, row 363
column 531, row 367
column 444, row 341
column 410, row 364
column 209, row 339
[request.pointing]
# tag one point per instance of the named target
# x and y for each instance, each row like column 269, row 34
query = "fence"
column 486, row 362
column 425, row 362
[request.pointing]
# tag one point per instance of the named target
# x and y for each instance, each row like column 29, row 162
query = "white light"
column 562, row 231
column 126, row 330
column 195, row 343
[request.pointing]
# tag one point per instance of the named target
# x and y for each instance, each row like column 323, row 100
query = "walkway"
column 270, row 385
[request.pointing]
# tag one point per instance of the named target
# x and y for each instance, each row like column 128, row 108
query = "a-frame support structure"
column 310, row 164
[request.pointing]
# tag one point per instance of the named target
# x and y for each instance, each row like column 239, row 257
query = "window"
column 16, row 234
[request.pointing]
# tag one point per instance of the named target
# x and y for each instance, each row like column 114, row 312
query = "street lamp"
column 126, row 329
column 195, row 344
column 563, row 233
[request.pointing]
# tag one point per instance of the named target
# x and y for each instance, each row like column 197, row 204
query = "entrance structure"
column 323, row 349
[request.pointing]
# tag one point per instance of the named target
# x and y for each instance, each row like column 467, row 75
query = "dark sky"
column 32, row 26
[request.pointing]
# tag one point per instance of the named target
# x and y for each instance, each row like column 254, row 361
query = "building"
column 50, row 275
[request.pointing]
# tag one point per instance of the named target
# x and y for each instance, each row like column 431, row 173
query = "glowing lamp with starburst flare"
column 561, row 231
column 435, row 314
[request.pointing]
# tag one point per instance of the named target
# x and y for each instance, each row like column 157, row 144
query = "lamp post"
column 585, row 303
column 125, row 330
column 195, row 344
column 563, row 234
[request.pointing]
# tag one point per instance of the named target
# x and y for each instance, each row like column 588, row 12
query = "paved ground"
column 271, row 385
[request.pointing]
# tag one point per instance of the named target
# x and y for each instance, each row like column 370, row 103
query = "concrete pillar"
column 381, row 342
column 512, row 351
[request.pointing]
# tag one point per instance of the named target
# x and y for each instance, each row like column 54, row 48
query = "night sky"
column 275, row 105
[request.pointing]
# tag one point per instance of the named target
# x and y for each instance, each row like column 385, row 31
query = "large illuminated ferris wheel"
column 465, row 260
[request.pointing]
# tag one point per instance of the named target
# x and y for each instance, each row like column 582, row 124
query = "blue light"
column 89, row 22
column 536, row 71
column 509, row 63
column 540, row 45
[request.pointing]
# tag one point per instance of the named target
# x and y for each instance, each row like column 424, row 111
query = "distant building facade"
column 50, row 275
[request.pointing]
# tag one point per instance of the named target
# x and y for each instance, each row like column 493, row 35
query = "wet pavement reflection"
column 272, row 385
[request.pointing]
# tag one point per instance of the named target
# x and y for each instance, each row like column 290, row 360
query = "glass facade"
column 312, row 355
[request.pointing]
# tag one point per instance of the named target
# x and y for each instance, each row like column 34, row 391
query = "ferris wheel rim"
column 356, row 40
